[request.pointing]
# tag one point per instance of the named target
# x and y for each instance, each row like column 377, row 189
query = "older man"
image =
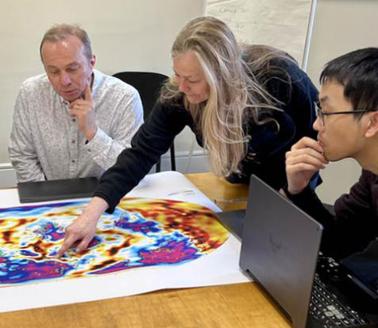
column 72, row 121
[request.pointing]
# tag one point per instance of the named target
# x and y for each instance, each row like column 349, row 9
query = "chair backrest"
column 148, row 85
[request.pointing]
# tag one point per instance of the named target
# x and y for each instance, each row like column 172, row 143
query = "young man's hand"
column 302, row 161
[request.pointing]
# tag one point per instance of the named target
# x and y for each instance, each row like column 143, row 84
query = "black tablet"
column 40, row 191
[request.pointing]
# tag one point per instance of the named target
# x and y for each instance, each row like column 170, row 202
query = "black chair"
column 148, row 85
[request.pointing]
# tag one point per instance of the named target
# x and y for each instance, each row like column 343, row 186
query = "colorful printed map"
column 141, row 232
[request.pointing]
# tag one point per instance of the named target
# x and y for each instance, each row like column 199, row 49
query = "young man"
column 347, row 126
column 72, row 121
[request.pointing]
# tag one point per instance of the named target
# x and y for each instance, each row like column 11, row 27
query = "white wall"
column 137, row 35
column 125, row 34
column 340, row 26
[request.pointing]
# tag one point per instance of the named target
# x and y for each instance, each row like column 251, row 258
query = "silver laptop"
column 280, row 248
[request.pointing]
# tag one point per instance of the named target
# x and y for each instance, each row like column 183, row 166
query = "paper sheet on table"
column 172, row 185
column 219, row 267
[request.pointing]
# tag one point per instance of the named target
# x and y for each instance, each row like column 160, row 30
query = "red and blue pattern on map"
column 141, row 232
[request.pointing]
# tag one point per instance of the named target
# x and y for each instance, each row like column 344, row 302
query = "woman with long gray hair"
column 246, row 105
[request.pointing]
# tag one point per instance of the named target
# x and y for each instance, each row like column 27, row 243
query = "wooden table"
column 238, row 305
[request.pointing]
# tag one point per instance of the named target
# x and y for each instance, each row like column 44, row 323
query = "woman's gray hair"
column 234, row 93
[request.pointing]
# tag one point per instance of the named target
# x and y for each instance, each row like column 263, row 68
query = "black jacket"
column 266, row 149
column 355, row 222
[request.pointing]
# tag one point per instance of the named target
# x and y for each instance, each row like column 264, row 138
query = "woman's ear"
column 372, row 125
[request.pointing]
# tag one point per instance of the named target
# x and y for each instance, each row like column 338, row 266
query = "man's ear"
column 93, row 61
column 372, row 125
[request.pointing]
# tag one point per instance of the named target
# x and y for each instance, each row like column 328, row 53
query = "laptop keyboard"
column 325, row 307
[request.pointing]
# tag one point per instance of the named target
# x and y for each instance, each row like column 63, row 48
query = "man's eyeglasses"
column 321, row 114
